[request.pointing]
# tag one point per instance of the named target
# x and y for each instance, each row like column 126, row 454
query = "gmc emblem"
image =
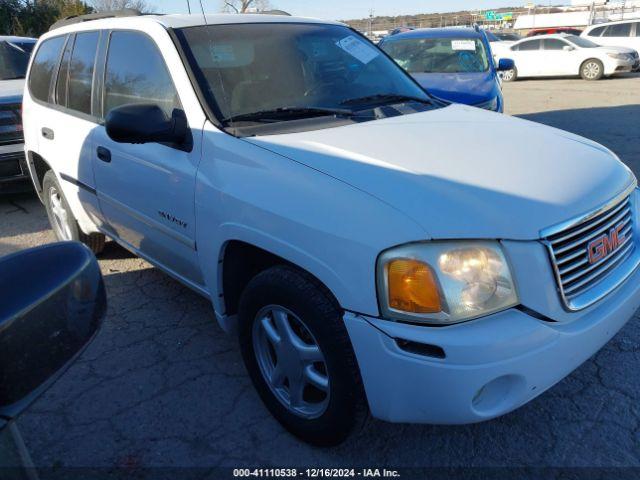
column 603, row 246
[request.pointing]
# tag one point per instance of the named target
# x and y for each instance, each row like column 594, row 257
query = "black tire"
column 94, row 241
column 592, row 69
column 303, row 295
column 510, row 75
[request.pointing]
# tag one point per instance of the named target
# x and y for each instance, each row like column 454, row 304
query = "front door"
column 146, row 192
column 561, row 57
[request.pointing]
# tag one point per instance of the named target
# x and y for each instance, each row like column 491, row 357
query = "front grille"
column 10, row 124
column 608, row 234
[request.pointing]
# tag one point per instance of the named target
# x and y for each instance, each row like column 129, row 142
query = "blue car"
column 454, row 64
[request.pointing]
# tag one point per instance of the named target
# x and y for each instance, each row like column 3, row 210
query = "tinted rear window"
column 43, row 67
column 81, row 71
column 620, row 30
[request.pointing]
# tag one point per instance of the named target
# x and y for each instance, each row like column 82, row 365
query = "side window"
column 596, row 32
column 531, row 45
column 637, row 29
column 81, row 71
column 63, row 75
column 44, row 64
column 554, row 44
column 136, row 73
column 619, row 30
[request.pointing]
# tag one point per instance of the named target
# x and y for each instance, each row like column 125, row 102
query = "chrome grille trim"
column 581, row 284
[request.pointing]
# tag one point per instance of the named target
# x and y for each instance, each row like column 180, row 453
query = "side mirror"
column 146, row 123
column 568, row 48
column 505, row 64
column 53, row 302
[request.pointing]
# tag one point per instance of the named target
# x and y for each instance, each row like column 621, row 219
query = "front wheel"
column 298, row 354
column 510, row 75
column 592, row 70
column 63, row 223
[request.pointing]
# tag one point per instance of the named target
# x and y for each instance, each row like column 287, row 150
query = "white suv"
column 623, row 33
column 363, row 239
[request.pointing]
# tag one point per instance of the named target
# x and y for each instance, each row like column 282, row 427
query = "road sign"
column 490, row 15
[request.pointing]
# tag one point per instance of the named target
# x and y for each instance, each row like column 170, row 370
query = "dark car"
column 550, row 31
column 508, row 36
column 14, row 59
column 454, row 64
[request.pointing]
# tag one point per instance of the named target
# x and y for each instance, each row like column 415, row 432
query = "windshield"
column 14, row 58
column 312, row 68
column 581, row 42
column 439, row 55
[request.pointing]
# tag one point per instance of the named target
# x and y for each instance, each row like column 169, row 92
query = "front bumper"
column 492, row 365
column 622, row 66
column 14, row 172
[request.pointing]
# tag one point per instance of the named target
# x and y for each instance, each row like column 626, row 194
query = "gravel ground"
column 163, row 386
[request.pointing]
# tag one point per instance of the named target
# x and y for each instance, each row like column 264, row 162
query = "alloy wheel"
column 591, row 70
column 291, row 361
column 60, row 215
column 507, row 75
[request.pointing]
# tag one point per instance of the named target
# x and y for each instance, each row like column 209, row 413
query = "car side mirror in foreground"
column 147, row 123
column 505, row 64
column 52, row 304
column 568, row 48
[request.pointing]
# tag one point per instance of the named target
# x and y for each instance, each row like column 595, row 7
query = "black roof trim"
column 127, row 12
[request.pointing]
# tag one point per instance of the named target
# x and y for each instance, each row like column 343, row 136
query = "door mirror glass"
column 505, row 64
column 146, row 123
column 53, row 302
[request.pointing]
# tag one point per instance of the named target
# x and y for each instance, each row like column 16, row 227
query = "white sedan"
column 567, row 55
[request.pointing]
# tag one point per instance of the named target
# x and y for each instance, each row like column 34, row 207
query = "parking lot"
column 163, row 386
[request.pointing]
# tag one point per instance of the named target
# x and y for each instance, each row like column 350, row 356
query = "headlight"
column 489, row 105
column 620, row 56
column 442, row 283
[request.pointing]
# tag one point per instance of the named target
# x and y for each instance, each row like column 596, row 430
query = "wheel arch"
column 239, row 262
column 38, row 167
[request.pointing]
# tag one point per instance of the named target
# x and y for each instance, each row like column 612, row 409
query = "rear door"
column 529, row 58
column 64, row 116
column 616, row 35
column 146, row 192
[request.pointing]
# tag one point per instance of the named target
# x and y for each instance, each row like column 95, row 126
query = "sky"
column 352, row 9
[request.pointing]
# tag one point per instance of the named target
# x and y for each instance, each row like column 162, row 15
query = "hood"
column 11, row 91
column 462, row 172
column 616, row 49
column 468, row 88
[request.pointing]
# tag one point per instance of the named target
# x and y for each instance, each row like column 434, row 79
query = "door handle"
column 47, row 133
column 104, row 154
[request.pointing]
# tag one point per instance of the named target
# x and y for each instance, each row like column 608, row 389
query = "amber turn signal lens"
column 412, row 287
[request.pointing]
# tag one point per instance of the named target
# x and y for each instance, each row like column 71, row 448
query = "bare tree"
column 110, row 5
column 244, row 6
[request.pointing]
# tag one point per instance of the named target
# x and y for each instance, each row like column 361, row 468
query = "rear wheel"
column 592, row 69
column 298, row 353
column 64, row 224
column 510, row 75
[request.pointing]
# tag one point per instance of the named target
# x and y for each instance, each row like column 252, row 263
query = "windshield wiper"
column 287, row 113
column 385, row 98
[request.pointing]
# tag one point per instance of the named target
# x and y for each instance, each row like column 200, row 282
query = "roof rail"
column 275, row 12
column 127, row 12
